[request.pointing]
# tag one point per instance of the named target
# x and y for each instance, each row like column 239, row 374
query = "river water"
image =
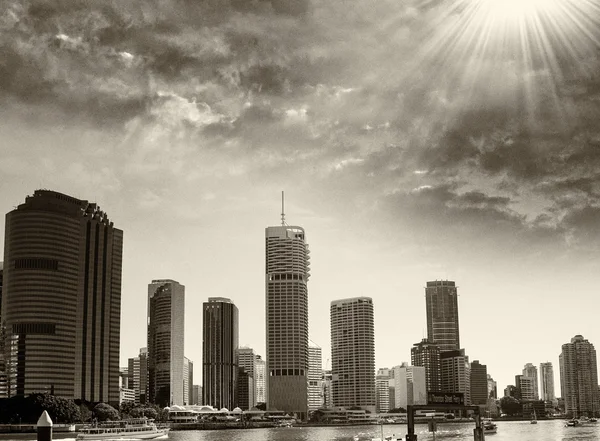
column 553, row 430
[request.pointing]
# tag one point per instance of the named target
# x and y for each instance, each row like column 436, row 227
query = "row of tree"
column 27, row 410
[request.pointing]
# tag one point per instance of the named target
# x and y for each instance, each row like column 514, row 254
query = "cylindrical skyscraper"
column 441, row 301
column 286, row 278
column 62, row 299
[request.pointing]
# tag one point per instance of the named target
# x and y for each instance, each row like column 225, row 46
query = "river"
column 552, row 430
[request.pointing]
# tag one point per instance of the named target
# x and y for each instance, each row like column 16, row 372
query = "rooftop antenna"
column 282, row 209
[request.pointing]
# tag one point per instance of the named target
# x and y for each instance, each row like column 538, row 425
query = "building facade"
column 188, row 380
column 138, row 376
column 579, row 378
column 383, row 403
column 61, row 300
column 441, row 299
column 529, row 370
column 3, row 377
column 547, row 382
column 353, row 353
column 166, row 312
column 260, row 380
column 427, row 354
column 526, row 387
column 220, row 336
column 409, row 385
column 456, row 373
column 286, row 279
column 492, row 387
column 315, row 378
column 197, row 394
column 479, row 383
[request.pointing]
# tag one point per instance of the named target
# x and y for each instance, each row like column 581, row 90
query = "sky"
column 415, row 140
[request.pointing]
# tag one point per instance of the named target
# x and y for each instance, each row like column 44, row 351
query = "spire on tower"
column 282, row 209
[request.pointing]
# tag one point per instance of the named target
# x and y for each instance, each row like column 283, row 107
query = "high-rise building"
column 531, row 371
column 492, row 387
column 409, row 385
column 315, row 378
column 427, row 354
column 456, row 373
column 353, row 353
column 138, row 376
column 260, row 380
column 220, row 336
column 327, row 388
column 479, row 383
column 61, row 300
column 441, row 299
column 166, row 311
column 547, row 381
column 526, row 386
column 188, row 380
column 3, row 377
column 382, row 390
column 579, row 378
column 196, row 394
column 286, row 278
column 247, row 367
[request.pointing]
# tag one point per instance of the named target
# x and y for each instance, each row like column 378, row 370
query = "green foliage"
column 29, row 409
column 105, row 412
column 397, row 410
column 131, row 410
column 261, row 406
column 511, row 406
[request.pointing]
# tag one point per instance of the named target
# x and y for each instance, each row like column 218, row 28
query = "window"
column 40, row 263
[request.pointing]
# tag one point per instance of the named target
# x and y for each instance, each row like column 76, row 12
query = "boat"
column 136, row 428
column 573, row 423
column 593, row 420
column 489, row 427
column 534, row 420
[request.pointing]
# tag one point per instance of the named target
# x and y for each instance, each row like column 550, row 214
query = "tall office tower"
column 409, row 385
column 492, row 387
column 327, row 388
column 441, row 299
column 531, row 371
column 479, row 383
column 245, row 389
column 3, row 377
column 220, row 334
column 286, row 278
column 315, row 378
column 188, row 380
column 247, row 363
column 547, row 381
column 353, row 353
column 456, row 373
column 526, row 386
column 579, row 378
column 61, row 302
column 196, row 394
column 382, row 390
column 138, row 375
column 166, row 311
column 260, row 380
column 427, row 354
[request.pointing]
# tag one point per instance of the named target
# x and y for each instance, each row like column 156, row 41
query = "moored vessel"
column 138, row 428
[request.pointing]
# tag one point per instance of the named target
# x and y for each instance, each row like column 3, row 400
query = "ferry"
column 137, row 428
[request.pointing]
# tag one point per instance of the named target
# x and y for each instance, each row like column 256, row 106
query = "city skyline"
column 405, row 157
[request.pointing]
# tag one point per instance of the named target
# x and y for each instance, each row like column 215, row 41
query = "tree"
column 511, row 406
column 397, row 410
column 105, row 412
column 261, row 406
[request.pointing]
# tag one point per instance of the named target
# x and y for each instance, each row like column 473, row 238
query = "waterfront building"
column 315, row 378
column 382, row 390
column 220, row 336
column 247, row 365
column 61, row 299
column 492, row 387
column 479, row 383
column 260, row 380
column 166, row 311
column 427, row 354
column 196, row 394
column 409, row 385
column 353, row 353
column 138, row 375
column 327, row 393
column 188, row 380
column 456, row 373
column 441, row 299
column 547, row 382
column 579, row 378
column 286, row 278
column 526, row 387
column 3, row 377
column 531, row 371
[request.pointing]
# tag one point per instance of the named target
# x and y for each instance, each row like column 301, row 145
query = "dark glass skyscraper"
column 441, row 300
column 286, row 278
column 427, row 354
column 219, row 353
column 61, row 304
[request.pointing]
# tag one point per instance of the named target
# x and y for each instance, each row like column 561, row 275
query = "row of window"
column 40, row 263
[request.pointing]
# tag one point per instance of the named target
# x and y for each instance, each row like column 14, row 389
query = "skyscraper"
column 261, row 380
column 138, row 375
column 286, row 278
column 353, row 353
column 247, row 364
column 315, row 378
column 441, row 299
column 188, row 380
column 547, row 381
column 479, row 383
column 382, row 390
column 61, row 302
column 526, row 387
column 3, row 378
column 220, row 334
column 166, row 311
column 456, row 373
column 409, row 385
column 531, row 371
column 427, row 354
column 579, row 378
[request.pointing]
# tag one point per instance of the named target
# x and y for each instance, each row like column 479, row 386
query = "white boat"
column 489, row 427
column 534, row 420
column 138, row 428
